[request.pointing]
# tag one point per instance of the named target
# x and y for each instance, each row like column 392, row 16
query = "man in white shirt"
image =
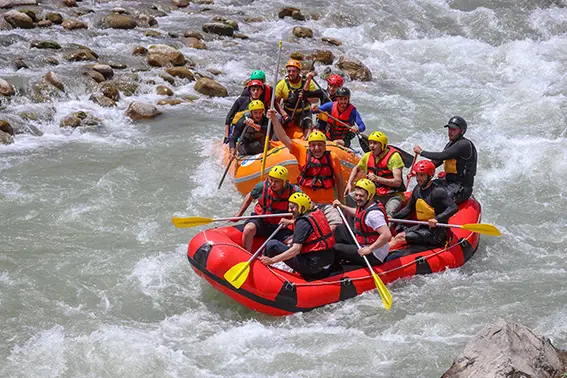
column 370, row 228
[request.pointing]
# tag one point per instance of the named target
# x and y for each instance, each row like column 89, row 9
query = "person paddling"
column 311, row 251
column 344, row 111
column 430, row 202
column 252, row 129
column 272, row 195
column 370, row 228
column 383, row 165
column 459, row 158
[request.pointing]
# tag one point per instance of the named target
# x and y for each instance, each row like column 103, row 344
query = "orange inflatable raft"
column 277, row 292
column 246, row 172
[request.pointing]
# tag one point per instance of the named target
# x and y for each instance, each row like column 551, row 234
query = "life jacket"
column 337, row 130
column 423, row 210
column 380, row 169
column 322, row 237
column 293, row 95
column 461, row 170
column 267, row 97
column 364, row 234
column 317, row 173
column 271, row 202
column 250, row 134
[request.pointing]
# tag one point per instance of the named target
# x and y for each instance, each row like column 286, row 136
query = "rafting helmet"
column 255, row 83
column 380, row 137
column 425, row 166
column 294, row 63
column 343, row 92
column 367, row 185
column 258, row 75
column 256, row 105
column 336, row 80
column 456, row 121
column 279, row 172
column 316, row 136
column 302, row 200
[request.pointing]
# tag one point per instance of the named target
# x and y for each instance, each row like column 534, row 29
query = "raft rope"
column 284, row 280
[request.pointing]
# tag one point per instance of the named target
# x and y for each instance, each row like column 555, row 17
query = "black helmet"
column 342, row 92
column 456, row 121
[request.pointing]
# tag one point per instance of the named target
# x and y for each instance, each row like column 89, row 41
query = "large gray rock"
column 354, row 68
column 218, row 28
column 71, row 24
column 508, row 350
column 181, row 72
column 119, row 21
column 164, row 56
column 210, row 87
column 19, row 20
column 14, row 3
column 302, row 32
column 6, row 88
column 139, row 110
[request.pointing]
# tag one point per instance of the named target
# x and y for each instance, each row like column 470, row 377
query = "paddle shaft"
column 272, row 100
column 233, row 157
column 408, row 221
column 410, row 174
column 252, row 217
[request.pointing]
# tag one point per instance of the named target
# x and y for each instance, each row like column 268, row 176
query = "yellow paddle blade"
column 238, row 274
column 190, row 221
column 482, row 228
column 383, row 291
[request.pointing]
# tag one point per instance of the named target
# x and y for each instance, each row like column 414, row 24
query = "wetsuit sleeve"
column 355, row 118
column 442, row 199
column 236, row 107
column 257, row 190
column 302, row 230
column 326, row 107
column 408, row 209
column 236, row 133
column 459, row 149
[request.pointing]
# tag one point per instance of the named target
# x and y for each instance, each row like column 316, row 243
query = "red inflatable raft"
column 276, row 292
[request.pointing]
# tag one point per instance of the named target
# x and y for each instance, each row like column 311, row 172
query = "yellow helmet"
column 256, row 105
column 317, row 136
column 279, row 172
column 367, row 185
column 380, row 137
column 302, row 200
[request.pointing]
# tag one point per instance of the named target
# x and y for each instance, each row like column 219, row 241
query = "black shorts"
column 423, row 235
column 266, row 229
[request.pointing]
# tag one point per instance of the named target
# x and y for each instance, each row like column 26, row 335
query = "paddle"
column 199, row 221
column 410, row 173
column 382, row 290
column 481, row 228
column 239, row 272
column 272, row 100
column 233, row 157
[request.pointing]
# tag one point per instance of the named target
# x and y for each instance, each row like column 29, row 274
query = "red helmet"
column 335, row 79
column 255, row 83
column 424, row 166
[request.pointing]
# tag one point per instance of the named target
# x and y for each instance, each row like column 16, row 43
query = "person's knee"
column 393, row 205
column 250, row 228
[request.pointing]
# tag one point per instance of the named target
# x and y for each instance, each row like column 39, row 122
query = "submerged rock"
column 302, row 32
column 56, row 18
column 332, row 41
column 80, row 119
column 6, row 138
column 354, row 68
column 102, row 100
column 218, row 28
column 210, row 87
column 53, row 79
column 508, row 350
column 140, row 110
column 54, row 45
column 6, row 88
column 20, row 63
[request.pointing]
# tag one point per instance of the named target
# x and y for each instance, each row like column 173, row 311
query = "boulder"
column 31, row 14
column 117, row 66
column 6, row 88
column 302, row 32
column 20, row 63
column 139, row 110
column 71, row 24
column 6, row 127
column 164, row 55
column 102, row 100
column 218, row 28
column 162, row 90
column 322, row 56
column 287, row 12
column 181, row 72
column 19, row 20
column 105, row 70
column 111, row 91
column 80, row 119
column 354, row 68
column 56, row 18
column 6, row 138
column 80, row 55
column 119, row 21
column 167, row 78
column 45, row 44
column 332, row 41
column 44, row 24
column 96, row 76
column 227, row 21
column 54, row 80
column 192, row 34
column 210, row 88
column 508, row 350
column 51, row 60
column 70, row 3
column 181, row 3
column 252, row 20
column 127, row 84
column 14, row 3
column 195, row 43
column 139, row 50
column 240, row 36
column 147, row 20
column 297, row 15
column 169, row 101
column 297, row 55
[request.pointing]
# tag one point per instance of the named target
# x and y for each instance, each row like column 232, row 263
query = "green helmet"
column 258, row 75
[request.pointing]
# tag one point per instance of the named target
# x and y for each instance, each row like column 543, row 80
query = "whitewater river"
column 94, row 279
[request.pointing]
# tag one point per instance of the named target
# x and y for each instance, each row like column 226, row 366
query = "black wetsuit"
column 459, row 184
column 437, row 197
column 252, row 140
column 239, row 105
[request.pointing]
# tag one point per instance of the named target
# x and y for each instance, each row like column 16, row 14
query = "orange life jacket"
column 317, row 173
column 271, row 202
column 337, row 130
column 364, row 234
column 381, row 169
column 322, row 237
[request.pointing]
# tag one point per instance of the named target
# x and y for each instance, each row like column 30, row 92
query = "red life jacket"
column 271, row 202
column 267, row 95
column 364, row 234
column 381, row 169
column 337, row 130
column 322, row 237
column 317, row 173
